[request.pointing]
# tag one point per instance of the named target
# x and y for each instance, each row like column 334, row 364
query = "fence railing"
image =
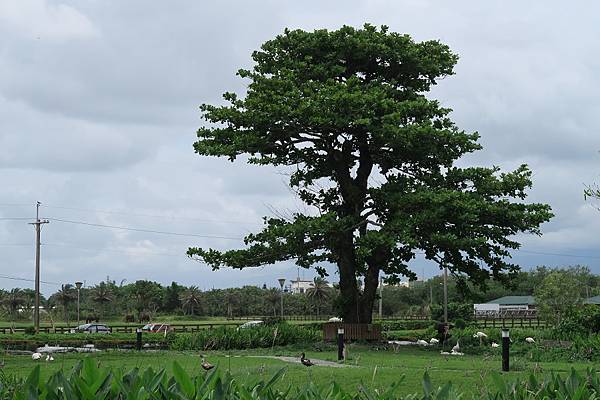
column 512, row 322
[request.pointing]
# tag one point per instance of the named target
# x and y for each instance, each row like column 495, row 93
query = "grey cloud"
column 100, row 112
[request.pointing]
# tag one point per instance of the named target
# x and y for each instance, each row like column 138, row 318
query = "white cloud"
column 40, row 19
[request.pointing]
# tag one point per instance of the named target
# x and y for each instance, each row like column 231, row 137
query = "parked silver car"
column 92, row 328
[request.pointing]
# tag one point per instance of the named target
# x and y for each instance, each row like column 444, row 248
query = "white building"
column 300, row 286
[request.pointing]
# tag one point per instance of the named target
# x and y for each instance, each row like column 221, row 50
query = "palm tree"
column 273, row 299
column 319, row 292
column 101, row 295
column 65, row 296
column 191, row 298
column 12, row 301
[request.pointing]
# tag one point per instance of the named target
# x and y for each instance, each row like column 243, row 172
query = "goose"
column 205, row 365
column 36, row 356
column 456, row 348
column 433, row 341
column 421, row 342
column 494, row 345
column 529, row 340
column 305, row 361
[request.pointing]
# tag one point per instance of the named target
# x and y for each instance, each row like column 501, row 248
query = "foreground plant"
column 88, row 380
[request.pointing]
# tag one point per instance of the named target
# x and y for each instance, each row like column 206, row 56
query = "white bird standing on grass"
column 49, row 357
column 434, row 341
column 529, row 340
column 36, row 356
column 456, row 348
column 421, row 342
column 480, row 335
column 494, row 345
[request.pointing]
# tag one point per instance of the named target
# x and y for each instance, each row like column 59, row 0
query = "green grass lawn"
column 376, row 369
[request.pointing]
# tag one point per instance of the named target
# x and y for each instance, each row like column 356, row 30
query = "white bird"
column 433, row 341
column 529, row 340
column 457, row 353
column 421, row 342
column 480, row 335
column 36, row 356
column 444, row 353
column 456, row 348
column 49, row 357
column 494, row 345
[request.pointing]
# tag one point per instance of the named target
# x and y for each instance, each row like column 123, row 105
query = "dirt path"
column 296, row 360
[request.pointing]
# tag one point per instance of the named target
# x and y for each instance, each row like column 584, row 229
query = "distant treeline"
column 146, row 299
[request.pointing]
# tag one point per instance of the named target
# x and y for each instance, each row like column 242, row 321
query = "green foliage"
column 456, row 311
column 253, row 337
column 581, row 321
column 558, row 295
column 406, row 325
column 89, row 380
column 337, row 108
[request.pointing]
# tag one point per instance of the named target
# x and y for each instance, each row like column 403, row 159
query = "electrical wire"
column 557, row 254
column 150, row 215
column 140, row 252
column 16, row 278
column 126, row 228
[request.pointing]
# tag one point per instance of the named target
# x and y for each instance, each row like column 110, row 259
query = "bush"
column 255, row 337
column 583, row 320
column 455, row 311
column 405, row 325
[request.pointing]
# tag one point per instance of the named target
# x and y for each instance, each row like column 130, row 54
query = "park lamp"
column 281, row 282
column 78, row 285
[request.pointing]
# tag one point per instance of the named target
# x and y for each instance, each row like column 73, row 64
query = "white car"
column 250, row 324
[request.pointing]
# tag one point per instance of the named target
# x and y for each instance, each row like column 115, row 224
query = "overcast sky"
column 99, row 108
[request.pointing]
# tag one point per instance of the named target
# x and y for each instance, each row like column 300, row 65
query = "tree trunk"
column 346, row 260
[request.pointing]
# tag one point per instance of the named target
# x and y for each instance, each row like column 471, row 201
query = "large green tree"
column 374, row 159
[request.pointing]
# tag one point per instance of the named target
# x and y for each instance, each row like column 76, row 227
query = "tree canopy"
column 375, row 160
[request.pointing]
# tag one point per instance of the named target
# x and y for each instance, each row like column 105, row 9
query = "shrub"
column 255, row 337
column 455, row 311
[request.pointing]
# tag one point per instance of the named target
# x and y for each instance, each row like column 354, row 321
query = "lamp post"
column 78, row 285
column 281, row 283
column 445, row 295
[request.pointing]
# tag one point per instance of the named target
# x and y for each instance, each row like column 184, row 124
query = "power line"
column 557, row 254
column 141, row 252
column 16, row 278
column 126, row 228
column 152, row 215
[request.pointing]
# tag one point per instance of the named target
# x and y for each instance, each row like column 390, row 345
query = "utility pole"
column 38, row 227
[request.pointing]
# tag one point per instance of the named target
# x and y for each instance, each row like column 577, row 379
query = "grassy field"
column 375, row 368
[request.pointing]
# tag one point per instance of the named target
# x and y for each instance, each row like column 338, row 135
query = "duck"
column 206, row 365
column 433, row 341
column 36, row 356
column 305, row 361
